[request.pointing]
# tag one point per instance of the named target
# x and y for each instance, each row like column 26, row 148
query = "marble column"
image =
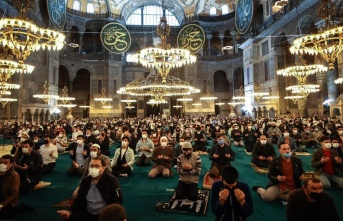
column 208, row 37
column 234, row 46
column 321, row 80
column 333, row 91
column 221, row 37
column 302, row 106
column 80, row 42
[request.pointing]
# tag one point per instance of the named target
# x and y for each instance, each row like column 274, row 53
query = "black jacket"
column 85, row 147
column 228, row 150
column 297, row 207
column 275, row 169
column 34, row 171
column 108, row 187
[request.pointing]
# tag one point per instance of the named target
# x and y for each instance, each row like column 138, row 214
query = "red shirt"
column 327, row 168
column 287, row 171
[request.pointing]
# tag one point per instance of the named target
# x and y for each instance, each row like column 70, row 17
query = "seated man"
column 274, row 133
column 78, row 154
column 285, row 174
column 162, row 157
column 37, row 142
column 144, row 147
column 263, row 153
column 236, row 135
column 61, row 142
column 248, row 136
column 113, row 212
column 298, row 141
column 309, row 139
column 124, row 157
column 29, row 165
column 221, row 155
column 319, row 205
column 200, row 140
column 96, row 191
column 327, row 163
column 288, row 140
column 9, row 188
column 49, row 154
column 230, row 198
column 188, row 168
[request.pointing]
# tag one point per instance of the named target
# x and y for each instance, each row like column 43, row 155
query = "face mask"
column 181, row 143
column 249, row 127
column 263, row 142
column 144, row 136
column 307, row 131
column 88, row 135
column 164, row 144
column 94, row 172
column 94, row 126
column 3, row 167
column 328, row 131
column 217, row 128
column 60, row 135
column 261, row 131
column 316, row 129
column 314, row 195
column 35, row 141
column 287, row 155
column 25, row 150
column 340, row 132
column 221, row 142
column 335, row 145
column 94, row 154
column 286, row 134
column 22, row 139
column 198, row 132
column 295, row 131
column 154, row 135
column 79, row 142
column 48, row 128
column 124, row 143
column 327, row 145
column 58, row 126
column 46, row 141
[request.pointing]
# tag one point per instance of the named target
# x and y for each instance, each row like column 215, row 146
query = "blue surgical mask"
column 221, row 142
column 287, row 155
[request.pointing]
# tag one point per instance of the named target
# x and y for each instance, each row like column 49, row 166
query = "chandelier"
column 163, row 57
column 219, row 103
column 24, row 37
column 46, row 96
column 65, row 99
column 177, row 106
column 294, row 98
column 258, row 95
column 270, row 97
column 328, row 41
column 5, row 100
column 303, row 89
column 241, row 96
column 184, row 99
column 235, row 103
column 158, row 87
column 128, row 101
column 107, row 106
column 196, row 103
column 208, row 96
column 103, row 99
column 300, row 71
column 4, row 87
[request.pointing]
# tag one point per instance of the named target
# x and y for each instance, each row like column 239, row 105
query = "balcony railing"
column 90, row 15
column 208, row 18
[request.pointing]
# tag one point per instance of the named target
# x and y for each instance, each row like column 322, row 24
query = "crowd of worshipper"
column 164, row 143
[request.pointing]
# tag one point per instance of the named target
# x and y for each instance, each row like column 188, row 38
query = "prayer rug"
column 186, row 206
column 259, row 169
column 41, row 184
column 65, row 203
column 302, row 154
column 249, row 153
column 208, row 181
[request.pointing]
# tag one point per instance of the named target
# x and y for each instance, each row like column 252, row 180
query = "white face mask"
column 88, row 135
column 124, row 143
column 144, row 136
column 60, row 135
column 79, row 142
column 22, row 139
column 249, row 127
column 335, row 145
column 94, row 172
column 154, row 135
column 164, row 144
column 263, row 141
column 286, row 134
column 25, row 150
column 340, row 132
column 94, row 154
column 3, row 167
column 327, row 145
column 35, row 141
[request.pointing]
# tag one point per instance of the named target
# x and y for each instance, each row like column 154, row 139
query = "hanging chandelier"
column 107, row 106
column 294, row 98
column 303, row 89
column 241, row 96
column 328, row 41
column 300, row 71
column 154, row 85
column 128, row 101
column 163, row 57
column 270, row 97
column 4, row 87
column 5, row 100
column 197, row 103
column 208, row 96
column 235, row 103
column 184, row 99
column 66, row 99
column 103, row 99
column 46, row 96
column 177, row 106
column 219, row 103
column 24, row 37
column 257, row 94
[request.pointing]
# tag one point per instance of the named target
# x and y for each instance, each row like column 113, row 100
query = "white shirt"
column 45, row 152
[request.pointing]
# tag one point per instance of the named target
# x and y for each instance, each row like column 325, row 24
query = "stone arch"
column 36, row 115
column 74, row 37
column 220, row 81
column 63, row 77
column 82, row 75
column 265, row 112
column 238, row 78
column 259, row 112
column 47, row 115
column 41, row 116
column 259, row 16
column 336, row 112
column 306, row 25
column 254, row 113
column 28, row 115
column 272, row 113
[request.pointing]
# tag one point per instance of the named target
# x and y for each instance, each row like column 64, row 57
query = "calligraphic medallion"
column 191, row 37
column 57, row 13
column 244, row 13
column 115, row 38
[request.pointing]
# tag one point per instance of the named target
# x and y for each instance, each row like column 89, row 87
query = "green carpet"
column 141, row 193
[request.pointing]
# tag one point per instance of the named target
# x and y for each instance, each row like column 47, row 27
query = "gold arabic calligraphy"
column 192, row 39
column 115, row 37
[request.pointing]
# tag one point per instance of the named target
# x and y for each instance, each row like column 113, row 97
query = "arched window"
column 77, row 5
column 225, row 9
column 90, row 8
column 220, row 81
column 213, row 11
column 150, row 15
